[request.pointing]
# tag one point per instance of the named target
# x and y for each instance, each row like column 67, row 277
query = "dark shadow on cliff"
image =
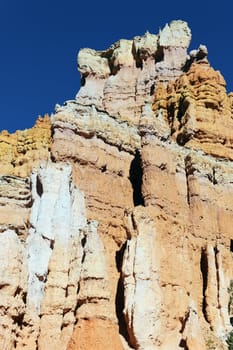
column 135, row 176
column 204, row 272
column 119, row 300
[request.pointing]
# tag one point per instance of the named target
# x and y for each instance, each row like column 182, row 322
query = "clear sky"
column 39, row 41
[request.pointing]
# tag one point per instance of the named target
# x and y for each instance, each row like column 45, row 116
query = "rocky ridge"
column 116, row 212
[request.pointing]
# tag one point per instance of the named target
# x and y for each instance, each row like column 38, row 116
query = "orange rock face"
column 116, row 213
column 95, row 334
column 21, row 151
column 198, row 110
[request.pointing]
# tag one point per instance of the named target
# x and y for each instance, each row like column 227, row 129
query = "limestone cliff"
column 116, row 212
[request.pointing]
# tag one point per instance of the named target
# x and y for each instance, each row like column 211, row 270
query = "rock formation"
column 116, row 212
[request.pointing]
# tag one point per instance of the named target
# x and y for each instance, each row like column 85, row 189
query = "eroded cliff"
column 116, row 212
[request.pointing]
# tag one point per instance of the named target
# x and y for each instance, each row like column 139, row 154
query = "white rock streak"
column 142, row 292
column 58, row 213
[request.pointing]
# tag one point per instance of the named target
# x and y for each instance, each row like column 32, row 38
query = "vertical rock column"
column 216, row 295
column 11, row 288
column 54, row 253
column 140, row 277
column 95, row 329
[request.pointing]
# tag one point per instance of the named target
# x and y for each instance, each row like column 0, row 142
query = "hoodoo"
column 116, row 212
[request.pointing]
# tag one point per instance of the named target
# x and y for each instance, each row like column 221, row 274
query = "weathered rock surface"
column 142, row 293
column 198, row 110
column 116, row 213
column 119, row 80
column 21, row 151
column 15, row 199
column 56, row 276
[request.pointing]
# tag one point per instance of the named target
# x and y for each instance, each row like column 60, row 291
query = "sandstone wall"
column 116, row 212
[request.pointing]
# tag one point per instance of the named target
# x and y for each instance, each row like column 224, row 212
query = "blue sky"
column 39, row 41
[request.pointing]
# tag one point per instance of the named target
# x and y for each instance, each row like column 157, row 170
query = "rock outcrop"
column 116, row 213
column 21, row 151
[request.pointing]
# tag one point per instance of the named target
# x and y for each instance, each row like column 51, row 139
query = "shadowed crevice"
column 183, row 344
column 39, row 186
column 204, row 271
column 119, row 300
column 136, row 179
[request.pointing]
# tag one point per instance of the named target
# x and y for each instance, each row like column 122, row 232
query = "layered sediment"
column 116, row 212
